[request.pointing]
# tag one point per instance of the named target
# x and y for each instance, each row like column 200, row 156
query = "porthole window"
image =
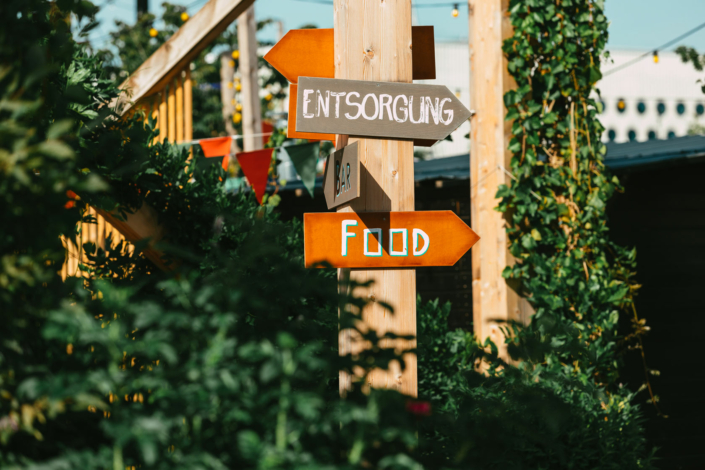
column 700, row 109
column 641, row 107
column 661, row 108
column 621, row 105
column 680, row 109
column 652, row 135
column 671, row 135
column 631, row 135
column 611, row 135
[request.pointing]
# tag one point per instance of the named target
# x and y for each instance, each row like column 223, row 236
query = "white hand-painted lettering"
column 350, row 103
column 323, row 105
column 431, row 110
column 406, row 112
column 337, row 102
column 364, row 104
column 385, row 101
column 421, row 111
column 449, row 113
column 307, row 115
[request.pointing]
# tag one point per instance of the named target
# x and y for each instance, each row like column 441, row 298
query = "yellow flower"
column 153, row 32
column 184, row 16
column 238, row 107
column 237, row 117
column 236, row 54
column 238, row 87
column 268, row 97
column 232, row 63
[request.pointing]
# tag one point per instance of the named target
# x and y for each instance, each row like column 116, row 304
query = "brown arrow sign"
column 310, row 53
column 377, row 109
column 341, row 182
column 385, row 239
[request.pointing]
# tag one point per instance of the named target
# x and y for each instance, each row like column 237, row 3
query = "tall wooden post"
column 227, row 94
column 251, row 105
column 493, row 298
column 373, row 42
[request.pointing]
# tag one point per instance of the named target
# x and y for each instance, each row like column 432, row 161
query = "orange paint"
column 385, row 239
column 304, row 52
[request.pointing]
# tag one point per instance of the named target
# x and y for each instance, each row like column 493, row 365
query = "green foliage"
column 689, row 54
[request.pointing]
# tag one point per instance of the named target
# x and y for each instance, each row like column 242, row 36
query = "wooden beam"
column 180, row 50
column 249, row 96
column 373, row 42
column 493, row 299
column 227, row 95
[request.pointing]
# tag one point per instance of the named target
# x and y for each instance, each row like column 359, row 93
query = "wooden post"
column 493, row 298
column 373, row 42
column 249, row 65
column 188, row 106
column 171, row 111
column 227, row 94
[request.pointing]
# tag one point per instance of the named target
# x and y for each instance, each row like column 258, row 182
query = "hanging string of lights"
column 654, row 53
column 454, row 5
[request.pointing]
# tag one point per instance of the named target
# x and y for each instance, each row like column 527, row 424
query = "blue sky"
column 634, row 24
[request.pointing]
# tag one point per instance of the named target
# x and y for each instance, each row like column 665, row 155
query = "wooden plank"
column 181, row 49
column 377, row 109
column 423, row 50
column 341, row 181
column 227, row 95
column 372, row 43
column 188, row 106
column 171, row 112
column 249, row 65
column 493, row 299
column 179, row 109
column 163, row 124
column 310, row 53
column 291, row 126
column 139, row 225
column 385, row 239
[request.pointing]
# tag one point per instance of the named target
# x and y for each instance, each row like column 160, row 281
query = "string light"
column 455, row 11
column 655, row 57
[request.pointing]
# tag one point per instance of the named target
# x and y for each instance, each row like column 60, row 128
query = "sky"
column 634, row 24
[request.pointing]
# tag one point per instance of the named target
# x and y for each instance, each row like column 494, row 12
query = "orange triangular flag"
column 226, row 162
column 255, row 166
column 217, row 147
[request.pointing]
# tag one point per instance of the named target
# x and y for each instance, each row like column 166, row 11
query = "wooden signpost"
column 377, row 109
column 341, row 182
column 353, row 85
column 385, row 239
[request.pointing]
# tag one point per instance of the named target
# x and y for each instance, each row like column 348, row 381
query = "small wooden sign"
column 341, row 182
column 310, row 53
column 377, row 109
column 385, row 239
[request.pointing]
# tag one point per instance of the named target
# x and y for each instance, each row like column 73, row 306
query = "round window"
column 631, row 135
column 652, row 135
column 611, row 135
column 621, row 105
column 700, row 109
column 641, row 107
column 661, row 108
column 680, row 108
column 671, row 135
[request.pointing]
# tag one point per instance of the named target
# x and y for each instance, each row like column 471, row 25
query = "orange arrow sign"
column 385, row 239
column 310, row 53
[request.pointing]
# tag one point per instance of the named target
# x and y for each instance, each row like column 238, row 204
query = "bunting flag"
column 218, row 147
column 255, row 166
column 305, row 157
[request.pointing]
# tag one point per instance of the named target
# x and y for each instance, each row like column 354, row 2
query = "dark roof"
column 620, row 156
column 655, row 152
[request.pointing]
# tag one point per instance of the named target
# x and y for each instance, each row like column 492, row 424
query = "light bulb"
column 655, row 57
column 455, row 11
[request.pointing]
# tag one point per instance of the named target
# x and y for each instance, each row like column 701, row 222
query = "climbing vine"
column 579, row 282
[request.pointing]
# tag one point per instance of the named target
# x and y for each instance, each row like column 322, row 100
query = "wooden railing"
column 161, row 87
